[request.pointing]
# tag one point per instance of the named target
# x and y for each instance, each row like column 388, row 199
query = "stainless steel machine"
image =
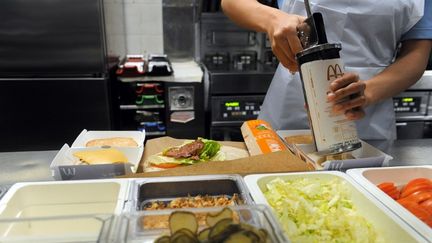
column 54, row 72
column 414, row 109
column 240, row 67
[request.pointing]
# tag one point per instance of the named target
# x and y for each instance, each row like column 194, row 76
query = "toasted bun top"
column 113, row 142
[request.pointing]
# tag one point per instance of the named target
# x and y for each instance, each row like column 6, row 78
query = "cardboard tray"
column 366, row 156
column 283, row 161
column 387, row 224
column 370, row 177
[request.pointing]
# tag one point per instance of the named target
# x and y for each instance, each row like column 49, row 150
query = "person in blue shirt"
column 370, row 32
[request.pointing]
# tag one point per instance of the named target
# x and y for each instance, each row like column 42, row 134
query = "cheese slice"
column 101, row 156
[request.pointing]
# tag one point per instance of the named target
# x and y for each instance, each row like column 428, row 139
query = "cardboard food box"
column 300, row 142
column 65, row 164
column 282, row 161
column 260, row 138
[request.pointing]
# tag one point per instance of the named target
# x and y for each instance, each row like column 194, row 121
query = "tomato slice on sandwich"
column 166, row 165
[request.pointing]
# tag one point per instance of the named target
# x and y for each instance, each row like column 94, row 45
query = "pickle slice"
column 183, row 220
column 212, row 219
column 163, row 239
column 204, row 234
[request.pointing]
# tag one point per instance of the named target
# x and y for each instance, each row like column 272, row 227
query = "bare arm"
column 404, row 72
column 400, row 75
column 280, row 27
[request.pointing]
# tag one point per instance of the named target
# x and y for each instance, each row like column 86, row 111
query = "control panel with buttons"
column 407, row 104
column 242, row 108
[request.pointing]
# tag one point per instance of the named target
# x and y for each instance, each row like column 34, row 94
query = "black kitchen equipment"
column 54, row 72
column 241, row 65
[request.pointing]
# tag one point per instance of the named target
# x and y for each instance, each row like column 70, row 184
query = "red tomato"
column 394, row 194
column 422, row 186
column 166, row 165
column 419, row 212
column 427, row 205
column 417, row 181
column 386, row 186
column 419, row 196
column 390, row 189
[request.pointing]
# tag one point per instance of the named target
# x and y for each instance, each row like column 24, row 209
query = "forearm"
column 400, row 75
column 249, row 14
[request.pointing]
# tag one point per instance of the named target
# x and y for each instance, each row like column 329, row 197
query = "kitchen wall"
column 134, row 26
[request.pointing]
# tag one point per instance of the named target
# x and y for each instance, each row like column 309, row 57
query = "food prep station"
column 47, row 196
column 35, row 207
column 51, row 196
column 77, row 211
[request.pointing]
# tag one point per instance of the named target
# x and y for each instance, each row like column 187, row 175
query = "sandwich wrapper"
column 282, row 161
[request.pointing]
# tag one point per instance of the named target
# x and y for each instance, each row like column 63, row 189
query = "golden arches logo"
column 334, row 72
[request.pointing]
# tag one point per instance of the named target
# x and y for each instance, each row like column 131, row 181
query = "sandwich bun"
column 112, row 142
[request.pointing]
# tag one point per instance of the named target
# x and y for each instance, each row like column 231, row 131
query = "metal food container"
column 387, row 225
column 3, row 190
column 133, row 230
column 368, row 178
column 166, row 189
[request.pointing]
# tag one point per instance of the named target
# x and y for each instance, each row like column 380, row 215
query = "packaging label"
column 330, row 131
column 80, row 172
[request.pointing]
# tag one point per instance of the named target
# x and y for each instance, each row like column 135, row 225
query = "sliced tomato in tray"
column 390, row 189
column 418, row 187
column 427, row 205
column 419, row 212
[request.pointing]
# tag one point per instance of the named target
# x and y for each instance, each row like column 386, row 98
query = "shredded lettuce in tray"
column 318, row 210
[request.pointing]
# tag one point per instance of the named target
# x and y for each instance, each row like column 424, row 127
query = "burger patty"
column 190, row 150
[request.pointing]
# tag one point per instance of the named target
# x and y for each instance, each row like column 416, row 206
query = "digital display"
column 232, row 104
column 407, row 99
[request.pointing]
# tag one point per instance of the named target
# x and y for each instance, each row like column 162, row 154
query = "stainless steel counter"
column 411, row 152
column 34, row 166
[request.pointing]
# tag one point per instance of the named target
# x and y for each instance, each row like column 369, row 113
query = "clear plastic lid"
column 147, row 226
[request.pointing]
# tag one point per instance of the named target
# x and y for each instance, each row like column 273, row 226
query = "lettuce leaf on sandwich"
column 189, row 153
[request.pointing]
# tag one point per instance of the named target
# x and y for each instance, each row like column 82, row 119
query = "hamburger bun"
column 112, row 142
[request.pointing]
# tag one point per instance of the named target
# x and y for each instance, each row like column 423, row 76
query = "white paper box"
column 388, row 225
column 85, row 136
column 370, row 177
column 65, row 165
column 366, row 156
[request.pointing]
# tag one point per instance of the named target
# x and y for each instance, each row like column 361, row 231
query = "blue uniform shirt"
column 423, row 28
column 280, row 3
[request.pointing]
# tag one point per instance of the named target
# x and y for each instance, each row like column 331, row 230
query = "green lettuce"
column 211, row 148
column 318, row 210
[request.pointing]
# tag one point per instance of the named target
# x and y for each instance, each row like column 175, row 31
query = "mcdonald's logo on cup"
column 334, row 72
